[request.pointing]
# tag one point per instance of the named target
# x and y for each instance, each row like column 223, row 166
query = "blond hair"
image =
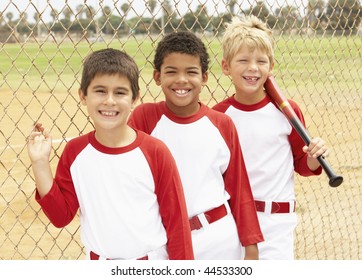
column 247, row 31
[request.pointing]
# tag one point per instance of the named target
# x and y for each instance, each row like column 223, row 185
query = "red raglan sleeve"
column 145, row 117
column 238, row 186
column 171, row 200
column 60, row 204
column 297, row 143
column 222, row 106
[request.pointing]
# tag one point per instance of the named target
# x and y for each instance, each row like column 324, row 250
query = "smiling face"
column 248, row 69
column 109, row 102
column 181, row 80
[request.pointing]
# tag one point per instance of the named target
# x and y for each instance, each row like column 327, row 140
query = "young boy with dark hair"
column 125, row 182
column 206, row 148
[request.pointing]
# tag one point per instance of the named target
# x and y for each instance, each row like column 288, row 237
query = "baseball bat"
column 276, row 94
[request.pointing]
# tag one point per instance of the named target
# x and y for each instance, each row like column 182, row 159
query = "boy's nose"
column 109, row 99
column 253, row 66
column 182, row 78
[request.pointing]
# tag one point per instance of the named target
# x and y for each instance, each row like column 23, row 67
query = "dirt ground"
column 329, row 218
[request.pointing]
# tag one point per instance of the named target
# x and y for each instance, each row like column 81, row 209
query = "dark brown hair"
column 110, row 61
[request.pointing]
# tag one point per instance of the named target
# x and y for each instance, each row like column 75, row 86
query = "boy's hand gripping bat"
column 276, row 94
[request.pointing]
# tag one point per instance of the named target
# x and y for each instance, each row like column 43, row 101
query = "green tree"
column 65, row 22
column 23, row 26
column 230, row 4
column 107, row 11
column 315, row 12
column 218, row 23
column 125, row 7
column 124, row 27
column 55, row 25
column 37, row 18
column 344, row 15
column 166, row 17
column 151, row 5
column 83, row 23
column 80, row 11
column 90, row 12
column 54, row 14
column 197, row 20
column 67, row 13
column 104, row 21
column 5, row 30
column 202, row 17
column 10, row 17
column 260, row 10
column 290, row 17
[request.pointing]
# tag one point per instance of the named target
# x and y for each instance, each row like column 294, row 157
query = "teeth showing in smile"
column 108, row 114
column 254, row 79
column 181, row 91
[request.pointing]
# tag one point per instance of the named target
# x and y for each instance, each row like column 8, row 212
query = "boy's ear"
column 271, row 69
column 157, row 77
column 205, row 78
column 225, row 67
column 82, row 97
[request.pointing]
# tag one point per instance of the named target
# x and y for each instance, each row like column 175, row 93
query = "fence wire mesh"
column 43, row 43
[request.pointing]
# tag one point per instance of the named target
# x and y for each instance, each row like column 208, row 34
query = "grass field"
column 311, row 59
column 40, row 82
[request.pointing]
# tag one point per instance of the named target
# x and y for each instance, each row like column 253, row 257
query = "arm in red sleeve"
column 60, row 205
column 297, row 144
column 171, row 202
column 238, row 186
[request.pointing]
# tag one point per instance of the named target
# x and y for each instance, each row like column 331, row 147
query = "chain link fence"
column 43, row 43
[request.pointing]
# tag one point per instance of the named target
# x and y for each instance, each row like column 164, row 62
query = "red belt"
column 211, row 216
column 276, row 207
column 95, row 257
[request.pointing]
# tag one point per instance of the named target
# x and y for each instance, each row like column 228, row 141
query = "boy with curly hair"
column 206, row 148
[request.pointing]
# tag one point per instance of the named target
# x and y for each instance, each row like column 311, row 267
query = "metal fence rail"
column 42, row 44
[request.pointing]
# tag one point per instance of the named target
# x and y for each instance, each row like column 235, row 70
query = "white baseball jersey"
column 130, row 198
column 208, row 156
column 273, row 151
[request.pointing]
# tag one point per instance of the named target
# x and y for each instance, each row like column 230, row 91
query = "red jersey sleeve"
column 238, row 186
column 297, row 143
column 145, row 117
column 171, row 199
column 61, row 204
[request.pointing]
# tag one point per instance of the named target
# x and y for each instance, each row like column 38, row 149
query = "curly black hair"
column 181, row 42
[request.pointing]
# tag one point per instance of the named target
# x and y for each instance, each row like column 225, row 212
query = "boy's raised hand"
column 39, row 144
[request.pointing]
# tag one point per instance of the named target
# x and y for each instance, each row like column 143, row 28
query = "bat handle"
column 334, row 179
